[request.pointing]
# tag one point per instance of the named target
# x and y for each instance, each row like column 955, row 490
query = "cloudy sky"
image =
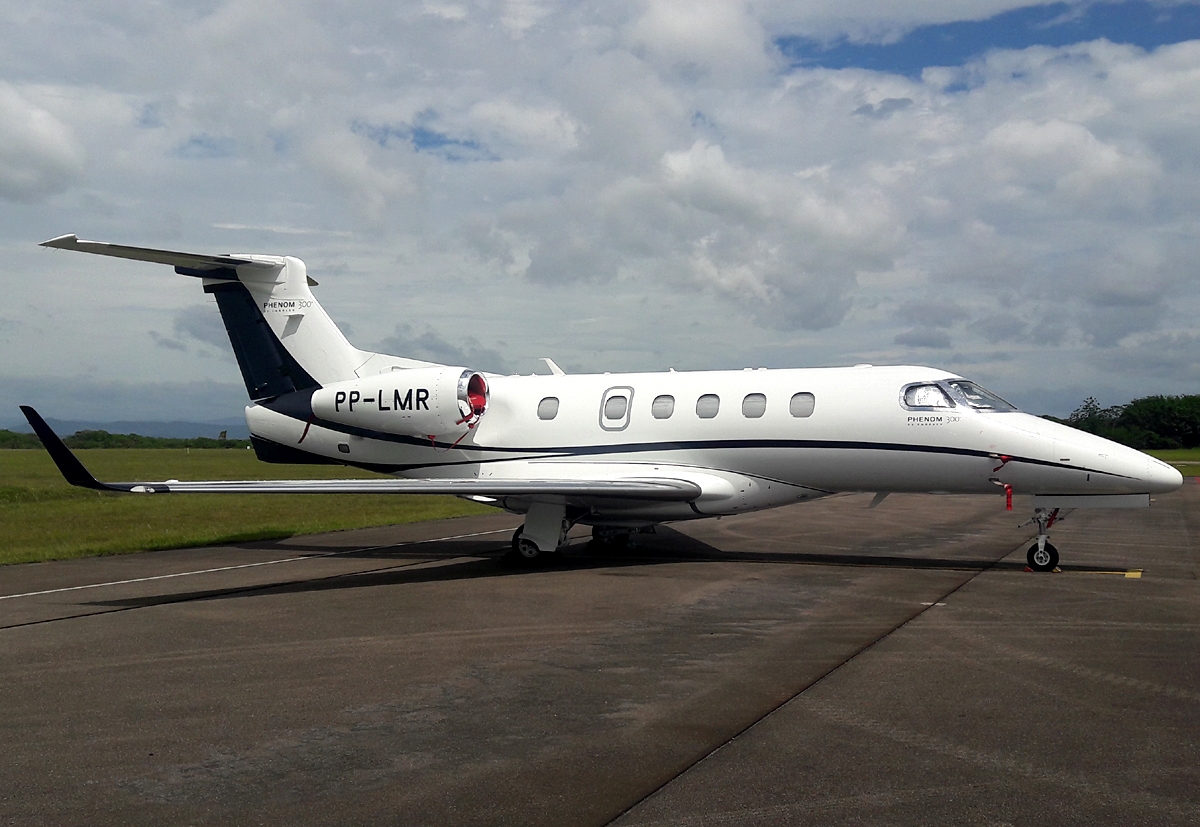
column 1003, row 190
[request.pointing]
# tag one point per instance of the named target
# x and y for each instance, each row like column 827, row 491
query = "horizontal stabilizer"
column 191, row 261
column 641, row 488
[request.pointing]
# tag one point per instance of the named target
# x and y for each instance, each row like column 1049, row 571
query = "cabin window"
column 548, row 408
column 614, row 408
column 708, row 405
column 926, row 396
column 978, row 398
column 662, row 407
column 754, row 405
column 802, row 404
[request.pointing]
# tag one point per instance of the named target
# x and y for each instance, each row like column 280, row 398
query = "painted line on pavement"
column 249, row 565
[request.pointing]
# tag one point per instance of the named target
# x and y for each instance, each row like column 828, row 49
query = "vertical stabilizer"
column 283, row 339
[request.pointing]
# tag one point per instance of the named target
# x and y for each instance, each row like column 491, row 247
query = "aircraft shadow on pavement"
column 486, row 559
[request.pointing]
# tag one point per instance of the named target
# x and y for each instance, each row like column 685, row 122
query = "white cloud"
column 358, row 171
column 1068, row 160
column 539, row 127
column 38, row 154
column 631, row 185
column 718, row 35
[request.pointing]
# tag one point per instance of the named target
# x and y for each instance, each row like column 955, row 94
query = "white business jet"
column 618, row 452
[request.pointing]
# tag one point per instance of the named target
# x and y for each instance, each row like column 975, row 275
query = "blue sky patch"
column 1138, row 23
column 205, row 147
column 423, row 139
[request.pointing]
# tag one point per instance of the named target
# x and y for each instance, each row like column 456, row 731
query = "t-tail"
column 283, row 339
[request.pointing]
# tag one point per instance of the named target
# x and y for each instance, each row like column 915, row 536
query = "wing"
column 190, row 261
column 643, row 488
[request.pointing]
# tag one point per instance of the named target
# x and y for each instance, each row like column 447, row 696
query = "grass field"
column 1187, row 460
column 43, row 518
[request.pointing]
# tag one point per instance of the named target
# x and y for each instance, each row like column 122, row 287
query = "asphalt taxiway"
column 820, row 664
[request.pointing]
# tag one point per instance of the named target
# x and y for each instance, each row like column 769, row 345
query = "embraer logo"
column 399, row 403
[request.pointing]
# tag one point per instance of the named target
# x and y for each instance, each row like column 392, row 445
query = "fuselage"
column 616, row 449
column 754, row 438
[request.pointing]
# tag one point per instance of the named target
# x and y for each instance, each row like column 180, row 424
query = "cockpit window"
column 979, row 398
column 926, row 396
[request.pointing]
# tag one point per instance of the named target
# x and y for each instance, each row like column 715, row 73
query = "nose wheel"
column 1042, row 556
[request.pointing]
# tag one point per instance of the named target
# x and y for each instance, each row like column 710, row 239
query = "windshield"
column 979, row 398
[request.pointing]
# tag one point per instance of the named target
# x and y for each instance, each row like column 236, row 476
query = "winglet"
column 68, row 465
column 554, row 368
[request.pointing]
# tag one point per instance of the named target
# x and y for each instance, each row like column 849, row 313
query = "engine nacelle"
column 417, row 401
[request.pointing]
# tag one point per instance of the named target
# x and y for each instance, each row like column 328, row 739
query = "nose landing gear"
column 1042, row 556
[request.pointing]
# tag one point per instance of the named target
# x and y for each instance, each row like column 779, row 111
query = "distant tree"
column 1173, row 421
column 1148, row 422
column 12, row 439
column 103, row 439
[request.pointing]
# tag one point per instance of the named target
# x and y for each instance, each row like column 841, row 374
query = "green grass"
column 1187, row 460
column 43, row 518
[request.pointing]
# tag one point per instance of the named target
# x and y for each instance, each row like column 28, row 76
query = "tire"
column 528, row 551
column 609, row 538
column 1045, row 560
column 524, row 552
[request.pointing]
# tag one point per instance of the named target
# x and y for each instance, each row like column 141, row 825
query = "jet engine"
column 417, row 401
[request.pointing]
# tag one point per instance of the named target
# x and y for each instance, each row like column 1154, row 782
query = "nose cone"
column 1123, row 470
column 1161, row 477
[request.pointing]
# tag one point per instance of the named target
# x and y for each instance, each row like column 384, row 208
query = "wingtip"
column 68, row 464
column 62, row 242
column 31, row 415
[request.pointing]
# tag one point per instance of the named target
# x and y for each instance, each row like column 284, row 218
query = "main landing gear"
column 525, row 550
column 544, row 533
column 617, row 537
column 1042, row 556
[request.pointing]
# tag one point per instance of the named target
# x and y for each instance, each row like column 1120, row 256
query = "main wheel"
column 1044, row 559
column 523, row 549
column 613, row 538
column 528, row 550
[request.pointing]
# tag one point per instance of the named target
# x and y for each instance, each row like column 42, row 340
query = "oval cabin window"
column 754, row 405
column 548, row 408
column 615, row 407
column 662, row 407
column 802, row 404
column 708, row 405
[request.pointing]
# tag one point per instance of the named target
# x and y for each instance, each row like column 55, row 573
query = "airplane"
column 624, row 452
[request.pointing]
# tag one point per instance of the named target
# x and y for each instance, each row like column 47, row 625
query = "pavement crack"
column 815, row 682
